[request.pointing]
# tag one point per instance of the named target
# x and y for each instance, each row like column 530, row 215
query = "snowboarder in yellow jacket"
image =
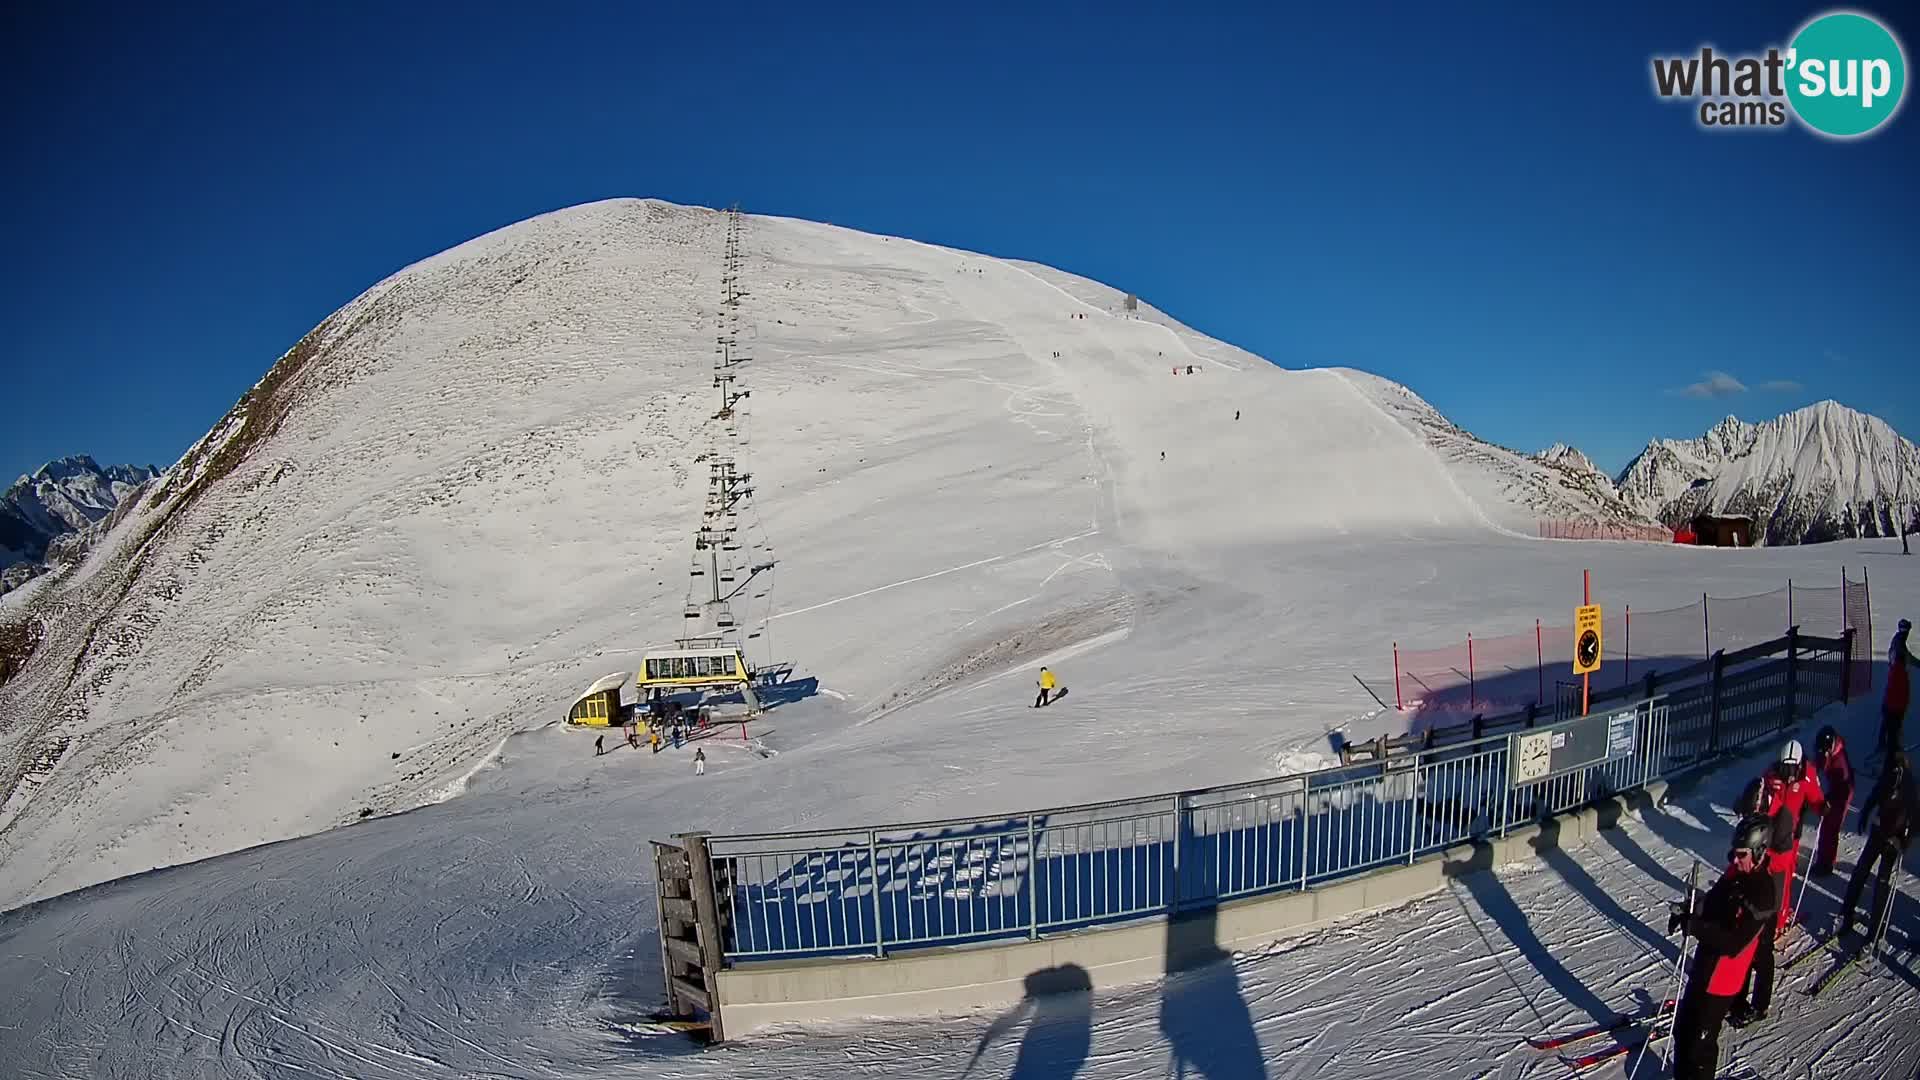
column 1047, row 684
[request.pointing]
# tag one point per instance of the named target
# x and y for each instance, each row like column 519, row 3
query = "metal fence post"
column 1713, row 716
column 1306, row 827
column 1846, row 664
column 1413, row 806
column 873, row 861
column 1793, row 674
column 706, row 913
column 1506, row 779
column 1033, row 884
column 1179, row 834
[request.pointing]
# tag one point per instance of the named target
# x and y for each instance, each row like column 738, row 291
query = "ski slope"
column 473, row 491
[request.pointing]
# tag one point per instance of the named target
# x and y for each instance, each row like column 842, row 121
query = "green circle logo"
column 1846, row 74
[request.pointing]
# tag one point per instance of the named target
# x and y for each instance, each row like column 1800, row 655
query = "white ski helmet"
column 1790, row 754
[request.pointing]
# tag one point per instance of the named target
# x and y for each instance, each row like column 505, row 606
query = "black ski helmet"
column 1753, row 833
column 1823, row 742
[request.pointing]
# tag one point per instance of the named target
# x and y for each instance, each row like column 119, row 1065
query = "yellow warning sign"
column 1587, row 639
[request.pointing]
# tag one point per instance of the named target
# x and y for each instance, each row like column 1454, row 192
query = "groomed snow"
column 484, row 502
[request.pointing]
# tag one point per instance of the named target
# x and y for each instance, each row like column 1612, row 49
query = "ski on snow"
column 1662, row 1028
column 1844, row 966
column 1618, row 1023
column 1819, row 945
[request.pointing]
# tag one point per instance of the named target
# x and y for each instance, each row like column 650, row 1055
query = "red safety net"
column 1504, row 672
column 1554, row 529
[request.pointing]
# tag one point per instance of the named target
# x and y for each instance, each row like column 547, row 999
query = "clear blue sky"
column 1491, row 207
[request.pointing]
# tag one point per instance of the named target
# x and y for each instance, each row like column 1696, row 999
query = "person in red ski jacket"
column 1836, row 780
column 1729, row 923
column 1893, row 707
column 1789, row 788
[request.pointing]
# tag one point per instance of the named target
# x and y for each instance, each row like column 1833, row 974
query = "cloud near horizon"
column 1718, row 384
column 1713, row 384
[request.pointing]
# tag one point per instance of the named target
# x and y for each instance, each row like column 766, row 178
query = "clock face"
column 1533, row 756
column 1588, row 648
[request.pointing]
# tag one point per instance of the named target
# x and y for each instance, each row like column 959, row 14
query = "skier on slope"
column 1780, row 795
column 1893, row 707
column 1729, row 923
column 1047, row 683
column 1836, row 779
column 1897, row 801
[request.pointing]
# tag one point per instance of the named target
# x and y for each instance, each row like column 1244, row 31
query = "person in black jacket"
column 1728, row 923
column 1896, row 800
column 1776, row 860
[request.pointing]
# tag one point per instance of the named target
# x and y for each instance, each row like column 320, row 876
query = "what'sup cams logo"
column 1843, row 76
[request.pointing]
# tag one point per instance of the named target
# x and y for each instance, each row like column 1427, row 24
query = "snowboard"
column 1055, row 698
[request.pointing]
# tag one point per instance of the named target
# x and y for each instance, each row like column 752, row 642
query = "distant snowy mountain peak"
column 1567, row 457
column 64, row 496
column 1817, row 473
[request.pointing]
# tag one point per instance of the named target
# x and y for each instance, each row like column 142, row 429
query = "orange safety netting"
column 1506, row 672
column 1552, row 529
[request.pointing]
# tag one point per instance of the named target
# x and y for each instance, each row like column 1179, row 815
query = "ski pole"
column 1793, row 914
column 1673, row 983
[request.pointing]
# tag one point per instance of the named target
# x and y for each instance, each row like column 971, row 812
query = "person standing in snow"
column 700, row 762
column 1836, row 777
column 1728, row 923
column 599, row 746
column 1893, row 707
column 1779, row 796
column 1897, row 801
column 1047, row 684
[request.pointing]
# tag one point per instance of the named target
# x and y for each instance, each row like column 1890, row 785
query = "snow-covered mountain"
column 64, row 496
column 472, row 490
column 1817, row 473
column 1569, row 458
